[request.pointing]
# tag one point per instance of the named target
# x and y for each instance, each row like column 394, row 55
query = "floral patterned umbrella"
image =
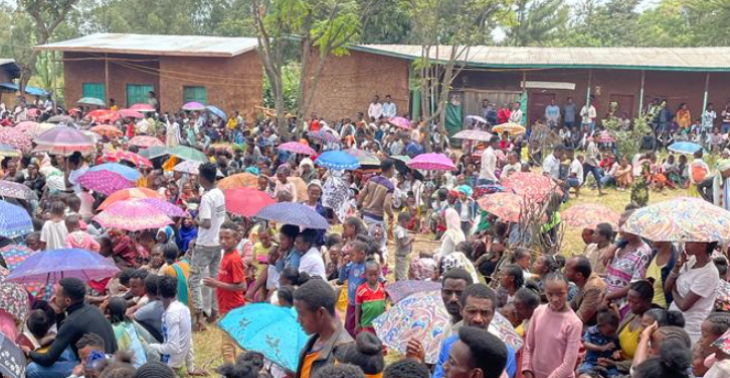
column 146, row 141
column 131, row 157
column 104, row 182
column 325, row 136
column 432, row 162
column 103, row 115
column 533, row 186
column 402, row 289
column 15, row 138
column 477, row 135
column 506, row 206
column 511, row 128
column 26, row 126
column 589, row 215
column 12, row 359
column 15, row 190
column 140, row 193
column 15, row 254
column 14, row 300
column 680, row 219
column 108, row 131
column 14, row 221
column 132, row 216
column 297, row 148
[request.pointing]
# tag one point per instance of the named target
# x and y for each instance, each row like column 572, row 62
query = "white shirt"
column 576, row 168
column 489, row 164
column 54, row 234
column 177, row 349
column 312, row 263
column 375, row 110
column 389, row 109
column 588, row 112
column 703, row 282
column 516, row 116
column 73, row 177
column 516, row 167
column 551, row 166
column 213, row 207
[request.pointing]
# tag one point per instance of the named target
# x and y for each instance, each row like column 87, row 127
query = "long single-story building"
column 629, row 77
column 220, row 71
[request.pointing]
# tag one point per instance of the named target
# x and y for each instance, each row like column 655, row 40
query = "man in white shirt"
column 592, row 165
column 389, row 109
column 176, row 351
column 206, row 256
column 551, row 164
column 575, row 175
column 516, row 115
column 375, row 110
column 489, row 163
column 588, row 115
column 75, row 169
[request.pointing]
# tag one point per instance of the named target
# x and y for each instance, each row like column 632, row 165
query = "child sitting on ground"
column 600, row 342
column 78, row 238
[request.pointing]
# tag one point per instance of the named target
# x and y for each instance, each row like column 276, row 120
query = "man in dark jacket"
column 80, row 319
column 315, row 305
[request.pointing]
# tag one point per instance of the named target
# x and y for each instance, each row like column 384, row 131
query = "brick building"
column 629, row 77
column 220, row 71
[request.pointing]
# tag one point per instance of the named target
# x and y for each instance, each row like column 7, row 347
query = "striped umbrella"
column 132, row 216
column 14, row 221
column 7, row 150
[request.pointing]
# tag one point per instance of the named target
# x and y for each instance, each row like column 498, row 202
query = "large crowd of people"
column 624, row 306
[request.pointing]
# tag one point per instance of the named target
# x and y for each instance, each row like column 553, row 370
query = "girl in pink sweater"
column 77, row 238
column 554, row 335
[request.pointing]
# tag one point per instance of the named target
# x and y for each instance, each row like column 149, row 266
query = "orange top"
column 307, row 365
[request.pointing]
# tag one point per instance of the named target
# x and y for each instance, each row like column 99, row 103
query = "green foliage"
column 538, row 23
column 388, row 24
column 613, row 23
column 628, row 143
column 290, row 83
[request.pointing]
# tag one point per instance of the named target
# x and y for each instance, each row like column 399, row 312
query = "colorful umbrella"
column 337, row 160
column 511, row 128
column 132, row 216
column 154, row 152
column 295, row 214
column 604, row 137
column 239, row 180
column 49, row 267
column 503, row 329
column 145, row 141
column 139, row 193
column 270, row 330
column 364, row 157
column 15, row 254
column 130, row 113
column 128, row 173
column 15, row 138
column 685, row 148
column 193, row 106
column 532, row 186
column 477, row 135
column 247, row 202
column 217, row 111
column 188, row 166
column 108, row 131
column 103, row 115
column 680, row 219
column 506, row 206
column 142, row 108
column 91, row 101
column 297, row 148
column 32, row 130
column 589, row 215
column 14, row 300
column 421, row 316
column 12, row 358
column 400, row 122
column 7, row 150
column 187, row 153
column 401, row 289
column 14, row 221
column 476, row 118
column 325, row 136
column 26, row 125
column 11, row 189
column 166, row 207
column 104, row 182
column 432, row 162
column 65, row 140
column 131, row 157
column 60, row 119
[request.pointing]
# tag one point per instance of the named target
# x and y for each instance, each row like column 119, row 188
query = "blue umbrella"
column 295, row 214
column 686, row 148
column 270, row 330
column 51, row 266
column 337, row 160
column 128, row 173
column 14, row 221
column 217, row 111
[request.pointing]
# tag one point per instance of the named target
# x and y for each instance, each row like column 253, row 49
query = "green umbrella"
column 187, row 153
column 154, row 152
column 91, row 101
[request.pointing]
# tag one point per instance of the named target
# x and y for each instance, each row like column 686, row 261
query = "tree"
column 538, row 23
column 323, row 26
column 46, row 16
column 609, row 24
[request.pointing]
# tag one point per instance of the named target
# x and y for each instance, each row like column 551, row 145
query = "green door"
column 138, row 93
column 94, row 90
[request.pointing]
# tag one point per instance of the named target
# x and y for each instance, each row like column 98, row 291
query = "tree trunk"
column 26, row 71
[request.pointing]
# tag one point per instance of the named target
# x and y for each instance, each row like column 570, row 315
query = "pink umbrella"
column 604, row 137
column 166, row 207
column 247, row 202
column 432, row 162
column 104, row 182
column 132, row 216
column 130, row 113
column 64, row 140
column 297, row 148
column 401, row 122
column 477, row 135
column 26, row 126
column 193, row 105
column 146, row 142
column 142, row 108
column 15, row 138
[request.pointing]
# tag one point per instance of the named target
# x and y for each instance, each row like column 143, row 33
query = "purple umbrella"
column 169, row 209
column 295, row 214
column 193, row 105
column 432, row 162
column 64, row 140
column 104, row 182
column 297, row 148
column 15, row 190
column 51, row 266
column 400, row 122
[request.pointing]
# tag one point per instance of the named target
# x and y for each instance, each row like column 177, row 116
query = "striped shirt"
column 628, row 266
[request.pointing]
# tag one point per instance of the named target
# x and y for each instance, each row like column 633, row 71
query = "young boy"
column 54, row 232
column 370, row 298
column 600, row 341
column 354, row 274
column 403, row 246
column 231, row 282
column 77, row 238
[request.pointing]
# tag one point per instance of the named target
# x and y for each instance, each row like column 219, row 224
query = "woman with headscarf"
column 187, row 231
column 306, row 170
column 282, row 183
column 453, row 235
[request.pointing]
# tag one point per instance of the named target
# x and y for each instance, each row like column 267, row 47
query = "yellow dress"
column 629, row 340
column 655, row 271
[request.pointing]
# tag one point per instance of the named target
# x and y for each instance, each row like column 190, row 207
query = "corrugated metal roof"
column 636, row 58
column 160, row 45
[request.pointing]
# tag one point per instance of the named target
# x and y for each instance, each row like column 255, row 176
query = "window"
column 94, row 90
column 194, row 94
column 138, row 93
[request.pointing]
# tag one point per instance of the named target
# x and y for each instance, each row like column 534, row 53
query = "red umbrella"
column 247, row 202
column 139, row 161
column 506, row 206
column 142, row 108
column 130, row 113
column 103, row 115
column 532, row 186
